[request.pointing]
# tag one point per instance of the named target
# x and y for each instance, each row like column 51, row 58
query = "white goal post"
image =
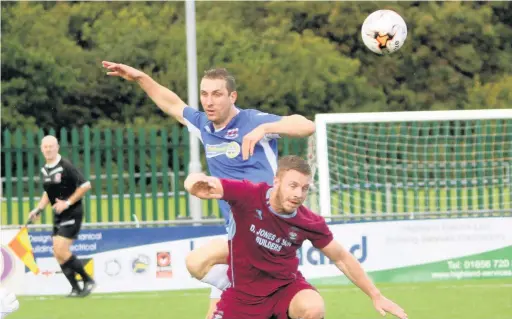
column 412, row 163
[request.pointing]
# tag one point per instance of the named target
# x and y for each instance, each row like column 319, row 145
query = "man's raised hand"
column 122, row 70
column 203, row 186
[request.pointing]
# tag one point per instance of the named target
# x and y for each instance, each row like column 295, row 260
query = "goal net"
column 412, row 164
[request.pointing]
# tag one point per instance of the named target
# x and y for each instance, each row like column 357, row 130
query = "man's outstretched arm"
column 274, row 125
column 204, row 186
column 349, row 265
column 292, row 125
column 209, row 187
column 168, row 101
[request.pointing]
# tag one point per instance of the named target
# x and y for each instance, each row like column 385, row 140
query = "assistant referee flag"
column 22, row 248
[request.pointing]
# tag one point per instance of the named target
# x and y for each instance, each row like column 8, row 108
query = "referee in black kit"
column 64, row 186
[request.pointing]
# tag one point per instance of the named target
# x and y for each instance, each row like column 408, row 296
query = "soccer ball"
column 384, row 31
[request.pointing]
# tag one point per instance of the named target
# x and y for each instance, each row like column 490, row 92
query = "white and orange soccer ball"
column 384, row 32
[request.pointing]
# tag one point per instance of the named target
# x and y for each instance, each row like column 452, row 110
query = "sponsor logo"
column 231, row 149
column 112, row 267
column 163, row 264
column 140, row 264
column 313, row 256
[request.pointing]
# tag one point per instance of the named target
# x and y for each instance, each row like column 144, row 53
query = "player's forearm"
column 293, row 125
column 43, row 202
column 79, row 193
column 355, row 272
column 168, row 101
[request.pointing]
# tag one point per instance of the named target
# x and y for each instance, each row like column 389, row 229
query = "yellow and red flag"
column 22, row 248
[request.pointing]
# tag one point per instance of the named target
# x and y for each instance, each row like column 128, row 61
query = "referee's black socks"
column 76, row 266
column 71, row 267
column 70, row 275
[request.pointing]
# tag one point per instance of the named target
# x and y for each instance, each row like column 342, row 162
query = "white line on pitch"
column 139, row 295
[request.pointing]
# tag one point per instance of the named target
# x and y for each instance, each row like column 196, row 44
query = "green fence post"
column 42, row 162
column 109, row 172
column 96, row 142
column 165, row 172
column 63, row 143
column 8, row 174
column 30, row 169
column 286, row 146
column 176, row 169
column 154, row 186
column 296, row 147
column 186, row 159
column 142, row 171
column 120, row 171
column 19, row 174
column 87, row 169
column 75, row 147
column 131, row 170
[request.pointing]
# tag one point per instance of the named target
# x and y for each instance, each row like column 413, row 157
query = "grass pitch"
column 465, row 299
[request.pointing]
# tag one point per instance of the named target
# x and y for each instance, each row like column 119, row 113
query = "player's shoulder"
column 194, row 116
column 310, row 215
column 66, row 163
column 259, row 189
column 253, row 112
column 256, row 185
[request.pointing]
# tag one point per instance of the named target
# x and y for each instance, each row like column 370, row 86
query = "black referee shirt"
column 60, row 181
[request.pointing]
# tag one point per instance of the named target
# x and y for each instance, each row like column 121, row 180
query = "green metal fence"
column 133, row 172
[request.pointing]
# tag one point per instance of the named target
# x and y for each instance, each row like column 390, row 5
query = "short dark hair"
column 222, row 74
column 295, row 163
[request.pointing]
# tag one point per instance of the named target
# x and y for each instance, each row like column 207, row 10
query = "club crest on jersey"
column 293, row 233
column 57, row 178
column 232, row 133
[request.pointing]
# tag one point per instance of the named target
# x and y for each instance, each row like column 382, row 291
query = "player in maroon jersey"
column 269, row 224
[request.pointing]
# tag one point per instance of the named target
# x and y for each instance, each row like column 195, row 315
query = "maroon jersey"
column 262, row 243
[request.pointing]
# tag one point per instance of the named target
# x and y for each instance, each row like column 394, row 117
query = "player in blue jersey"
column 239, row 144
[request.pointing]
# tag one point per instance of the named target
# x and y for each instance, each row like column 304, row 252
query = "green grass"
column 350, row 202
column 471, row 299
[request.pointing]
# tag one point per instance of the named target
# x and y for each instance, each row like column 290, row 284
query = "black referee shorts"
column 67, row 225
